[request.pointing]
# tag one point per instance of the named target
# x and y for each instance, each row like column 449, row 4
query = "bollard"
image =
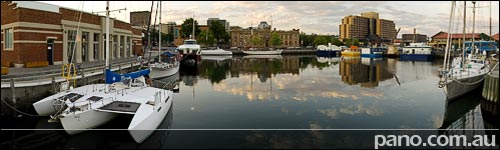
column 120, row 67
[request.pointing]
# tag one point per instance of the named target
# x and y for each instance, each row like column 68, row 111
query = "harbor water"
column 278, row 102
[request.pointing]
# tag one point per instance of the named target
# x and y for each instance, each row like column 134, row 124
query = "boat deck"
column 121, row 107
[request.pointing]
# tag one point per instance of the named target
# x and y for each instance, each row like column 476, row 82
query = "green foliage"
column 219, row 31
column 275, row 40
column 205, row 39
column 320, row 40
column 350, row 42
column 256, row 41
column 187, row 28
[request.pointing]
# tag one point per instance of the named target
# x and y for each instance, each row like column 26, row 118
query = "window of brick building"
column 8, row 39
column 71, row 45
column 96, row 46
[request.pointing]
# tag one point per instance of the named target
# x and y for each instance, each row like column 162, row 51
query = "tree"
column 336, row 41
column 320, row 40
column 218, row 30
column 187, row 28
column 256, row 41
column 350, row 42
column 275, row 40
column 203, row 38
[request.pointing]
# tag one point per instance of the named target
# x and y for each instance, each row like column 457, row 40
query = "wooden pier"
column 490, row 87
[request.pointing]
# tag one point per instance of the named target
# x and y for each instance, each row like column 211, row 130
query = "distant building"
column 368, row 28
column 439, row 40
column 414, row 38
column 495, row 37
column 139, row 18
column 241, row 37
column 222, row 22
column 170, row 28
column 263, row 25
column 40, row 32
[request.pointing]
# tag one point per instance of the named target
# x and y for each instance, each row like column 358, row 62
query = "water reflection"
column 367, row 72
column 92, row 139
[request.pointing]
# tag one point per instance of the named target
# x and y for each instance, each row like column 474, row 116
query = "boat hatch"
column 71, row 96
column 121, row 107
column 94, row 98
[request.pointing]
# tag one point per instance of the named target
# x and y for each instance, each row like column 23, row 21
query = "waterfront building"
column 439, row 40
column 495, row 37
column 414, row 38
column 35, row 32
column 368, row 28
column 241, row 37
column 139, row 18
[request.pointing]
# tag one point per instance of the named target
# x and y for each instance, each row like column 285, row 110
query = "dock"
column 490, row 86
column 285, row 51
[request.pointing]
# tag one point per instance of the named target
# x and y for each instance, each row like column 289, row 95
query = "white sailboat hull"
column 160, row 72
column 276, row 52
column 216, row 52
column 455, row 89
column 45, row 106
column 149, row 117
column 76, row 123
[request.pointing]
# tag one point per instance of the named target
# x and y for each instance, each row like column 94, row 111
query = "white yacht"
column 189, row 47
column 466, row 71
column 216, row 51
column 86, row 107
column 263, row 52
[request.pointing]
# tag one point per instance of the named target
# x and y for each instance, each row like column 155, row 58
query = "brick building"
column 241, row 37
column 40, row 32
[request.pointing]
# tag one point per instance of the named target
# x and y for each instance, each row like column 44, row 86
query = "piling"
column 54, row 84
column 13, row 95
column 490, row 86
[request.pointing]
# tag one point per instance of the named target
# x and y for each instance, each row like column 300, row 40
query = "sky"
column 319, row 17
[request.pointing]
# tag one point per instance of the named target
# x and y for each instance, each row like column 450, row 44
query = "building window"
column 85, row 45
column 115, row 46
column 96, row 46
column 8, row 39
column 129, row 46
column 122, row 47
column 71, row 45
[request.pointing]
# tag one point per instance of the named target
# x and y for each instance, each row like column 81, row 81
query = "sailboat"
column 466, row 71
column 165, row 68
column 89, row 106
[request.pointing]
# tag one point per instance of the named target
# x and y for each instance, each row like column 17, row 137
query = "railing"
column 87, row 70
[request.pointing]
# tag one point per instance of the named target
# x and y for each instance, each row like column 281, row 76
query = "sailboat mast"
column 193, row 26
column 463, row 30
column 447, row 51
column 490, row 22
column 473, row 46
column 107, row 40
column 159, row 37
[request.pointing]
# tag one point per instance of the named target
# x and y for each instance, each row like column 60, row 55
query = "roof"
column 444, row 35
column 51, row 8
column 495, row 37
column 37, row 6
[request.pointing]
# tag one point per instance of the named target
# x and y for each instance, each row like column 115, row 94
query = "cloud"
column 320, row 17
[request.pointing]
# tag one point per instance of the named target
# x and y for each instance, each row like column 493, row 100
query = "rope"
column 27, row 114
